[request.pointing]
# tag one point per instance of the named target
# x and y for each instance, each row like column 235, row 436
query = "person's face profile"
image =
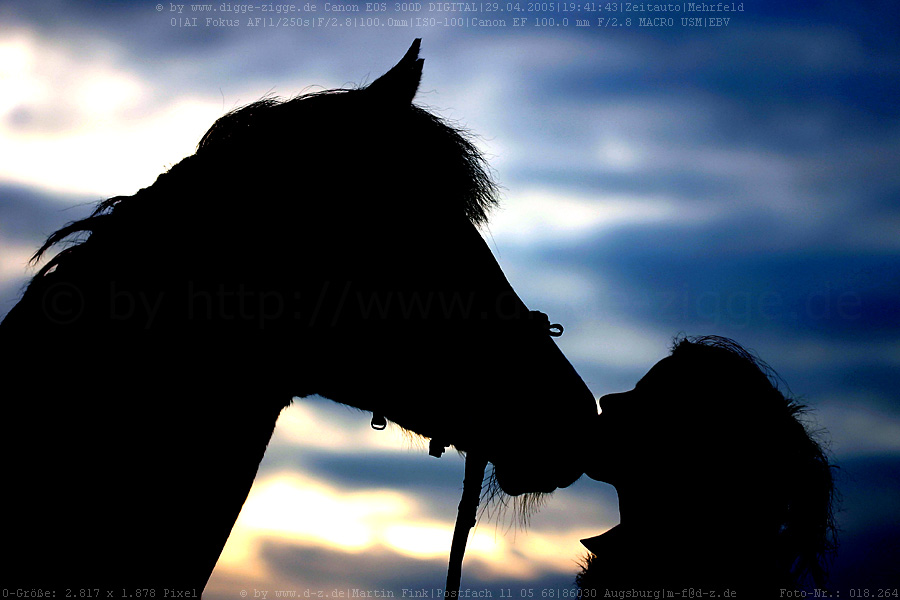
column 650, row 392
column 632, row 425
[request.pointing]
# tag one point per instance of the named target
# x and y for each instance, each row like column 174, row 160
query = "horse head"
column 438, row 340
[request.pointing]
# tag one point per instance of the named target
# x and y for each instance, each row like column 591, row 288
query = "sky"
column 738, row 180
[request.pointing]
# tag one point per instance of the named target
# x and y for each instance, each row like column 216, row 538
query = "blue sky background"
column 740, row 181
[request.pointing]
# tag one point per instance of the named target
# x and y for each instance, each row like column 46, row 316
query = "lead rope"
column 466, row 517
column 554, row 330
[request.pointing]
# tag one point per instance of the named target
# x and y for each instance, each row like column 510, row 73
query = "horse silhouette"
column 327, row 244
column 722, row 487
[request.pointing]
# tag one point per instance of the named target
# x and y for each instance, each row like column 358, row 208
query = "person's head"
column 709, row 425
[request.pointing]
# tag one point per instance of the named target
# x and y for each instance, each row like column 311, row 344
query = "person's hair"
column 778, row 455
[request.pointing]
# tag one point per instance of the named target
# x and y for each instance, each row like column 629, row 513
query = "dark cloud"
column 28, row 215
column 318, row 569
column 869, row 552
column 875, row 382
column 323, row 569
column 870, row 487
column 10, row 292
column 417, row 474
column 737, row 275
column 868, row 558
column 438, row 485
column 354, row 470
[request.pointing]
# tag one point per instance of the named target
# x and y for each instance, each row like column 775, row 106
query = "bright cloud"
column 536, row 215
column 79, row 126
column 300, row 508
column 325, row 425
column 296, row 508
column 14, row 260
column 857, row 428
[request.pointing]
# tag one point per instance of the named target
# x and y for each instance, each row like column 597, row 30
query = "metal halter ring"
column 554, row 329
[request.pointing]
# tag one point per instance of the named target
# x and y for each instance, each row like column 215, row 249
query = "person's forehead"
column 666, row 369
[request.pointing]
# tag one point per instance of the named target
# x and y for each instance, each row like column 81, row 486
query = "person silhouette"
column 722, row 488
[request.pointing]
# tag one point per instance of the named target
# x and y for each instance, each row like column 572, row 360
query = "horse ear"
column 401, row 82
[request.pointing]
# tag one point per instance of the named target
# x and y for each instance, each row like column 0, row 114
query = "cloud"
column 534, row 216
column 27, row 217
column 79, row 126
column 728, row 274
column 867, row 518
column 304, row 570
column 291, row 507
column 331, row 486
column 319, row 424
column 857, row 426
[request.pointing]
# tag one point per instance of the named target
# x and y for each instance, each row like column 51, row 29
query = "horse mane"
column 239, row 135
